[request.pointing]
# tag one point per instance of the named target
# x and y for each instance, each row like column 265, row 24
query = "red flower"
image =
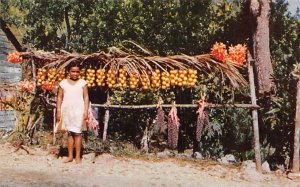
column 237, row 54
column 219, row 52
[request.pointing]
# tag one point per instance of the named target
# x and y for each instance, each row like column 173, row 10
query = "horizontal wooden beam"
column 208, row 105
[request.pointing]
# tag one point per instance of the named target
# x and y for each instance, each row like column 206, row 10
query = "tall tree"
column 260, row 9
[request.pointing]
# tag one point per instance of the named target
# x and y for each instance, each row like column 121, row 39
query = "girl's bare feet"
column 68, row 160
column 78, row 160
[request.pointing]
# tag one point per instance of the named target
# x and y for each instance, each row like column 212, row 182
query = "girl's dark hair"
column 73, row 64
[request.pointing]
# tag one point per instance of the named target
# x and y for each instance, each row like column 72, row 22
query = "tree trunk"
column 297, row 129
column 68, row 34
column 261, row 49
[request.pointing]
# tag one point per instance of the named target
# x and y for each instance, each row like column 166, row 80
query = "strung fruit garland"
column 90, row 77
column 100, row 77
column 92, row 123
column 49, row 79
column 160, row 116
column 202, row 120
column 173, row 127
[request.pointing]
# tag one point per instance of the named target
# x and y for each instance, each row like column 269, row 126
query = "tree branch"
column 10, row 36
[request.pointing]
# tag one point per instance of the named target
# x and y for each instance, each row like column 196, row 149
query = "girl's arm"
column 59, row 99
column 86, row 102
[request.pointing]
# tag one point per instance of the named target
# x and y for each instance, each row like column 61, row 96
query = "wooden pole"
column 54, row 124
column 106, row 118
column 254, row 117
column 297, row 129
column 209, row 105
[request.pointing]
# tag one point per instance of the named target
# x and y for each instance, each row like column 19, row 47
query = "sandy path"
column 40, row 169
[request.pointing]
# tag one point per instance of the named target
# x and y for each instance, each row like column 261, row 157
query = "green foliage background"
column 173, row 27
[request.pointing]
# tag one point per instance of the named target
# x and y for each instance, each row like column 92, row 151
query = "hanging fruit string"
column 100, row 74
column 173, row 127
column 122, row 78
column 202, row 119
column 160, row 117
column 90, row 77
column 92, row 123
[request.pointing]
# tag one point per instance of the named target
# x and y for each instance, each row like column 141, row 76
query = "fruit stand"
column 120, row 69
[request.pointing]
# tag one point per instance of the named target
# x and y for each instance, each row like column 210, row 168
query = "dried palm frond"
column 117, row 58
column 173, row 127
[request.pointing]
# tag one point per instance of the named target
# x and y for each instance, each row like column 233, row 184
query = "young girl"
column 72, row 109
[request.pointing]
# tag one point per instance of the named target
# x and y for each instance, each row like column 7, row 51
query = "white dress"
column 72, row 108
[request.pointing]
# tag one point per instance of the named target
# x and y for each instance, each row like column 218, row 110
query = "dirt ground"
column 37, row 167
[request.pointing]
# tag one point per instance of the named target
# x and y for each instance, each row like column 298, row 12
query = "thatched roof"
column 116, row 58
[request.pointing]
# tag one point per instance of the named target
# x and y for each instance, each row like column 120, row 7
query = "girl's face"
column 74, row 73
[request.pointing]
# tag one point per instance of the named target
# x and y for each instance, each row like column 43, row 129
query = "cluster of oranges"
column 90, row 78
column 48, row 79
column 14, row 57
column 100, row 73
column 111, row 80
column 133, row 81
column 186, row 78
column 236, row 54
column 122, row 78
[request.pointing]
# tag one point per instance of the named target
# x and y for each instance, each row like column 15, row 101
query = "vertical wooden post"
column 254, row 116
column 106, row 118
column 54, row 124
column 297, row 129
column 33, row 71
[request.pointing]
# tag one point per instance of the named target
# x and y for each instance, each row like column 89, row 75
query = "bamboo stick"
column 33, row 71
column 106, row 119
column 254, row 117
column 54, row 124
column 209, row 105
column 297, row 129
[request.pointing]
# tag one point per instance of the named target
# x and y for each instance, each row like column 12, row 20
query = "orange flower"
column 14, row 57
column 237, row 54
column 219, row 52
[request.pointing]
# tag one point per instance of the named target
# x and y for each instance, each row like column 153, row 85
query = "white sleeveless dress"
column 72, row 108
